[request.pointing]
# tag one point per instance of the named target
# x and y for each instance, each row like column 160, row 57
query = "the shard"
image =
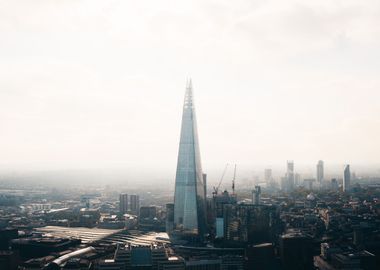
column 189, row 197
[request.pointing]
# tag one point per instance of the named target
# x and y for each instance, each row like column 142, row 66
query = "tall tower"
column 189, row 196
column 346, row 178
column 320, row 173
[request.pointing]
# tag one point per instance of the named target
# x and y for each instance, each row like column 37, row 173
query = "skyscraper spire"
column 188, row 95
column 189, row 84
column 189, row 197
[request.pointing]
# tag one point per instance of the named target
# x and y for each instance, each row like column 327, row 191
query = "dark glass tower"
column 189, row 197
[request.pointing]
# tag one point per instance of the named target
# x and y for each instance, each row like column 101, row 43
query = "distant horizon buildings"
column 189, row 195
column 292, row 180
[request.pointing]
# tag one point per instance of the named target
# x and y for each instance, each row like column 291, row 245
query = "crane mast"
column 215, row 192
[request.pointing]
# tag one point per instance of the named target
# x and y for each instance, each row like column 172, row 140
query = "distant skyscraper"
column 123, row 203
column 189, row 197
column 289, row 176
column 134, row 204
column 268, row 176
column 320, row 172
column 346, row 178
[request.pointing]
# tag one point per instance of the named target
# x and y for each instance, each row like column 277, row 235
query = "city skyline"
column 189, row 135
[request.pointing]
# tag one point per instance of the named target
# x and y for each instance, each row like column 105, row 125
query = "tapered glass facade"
column 189, row 197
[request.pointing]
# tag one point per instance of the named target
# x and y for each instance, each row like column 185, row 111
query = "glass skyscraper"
column 320, row 175
column 189, row 197
column 346, row 178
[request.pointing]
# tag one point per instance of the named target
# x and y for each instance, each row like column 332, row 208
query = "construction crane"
column 215, row 192
column 233, row 181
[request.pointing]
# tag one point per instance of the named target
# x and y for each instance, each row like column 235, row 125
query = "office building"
column 189, row 197
column 134, row 204
column 296, row 251
column 288, row 181
column 148, row 219
column 148, row 212
column 123, row 203
column 346, row 178
column 245, row 222
column 169, row 217
column 334, row 184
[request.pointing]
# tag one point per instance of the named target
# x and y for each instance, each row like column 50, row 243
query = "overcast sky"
column 94, row 83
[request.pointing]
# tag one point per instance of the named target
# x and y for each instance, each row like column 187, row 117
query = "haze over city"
column 198, row 135
column 100, row 86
